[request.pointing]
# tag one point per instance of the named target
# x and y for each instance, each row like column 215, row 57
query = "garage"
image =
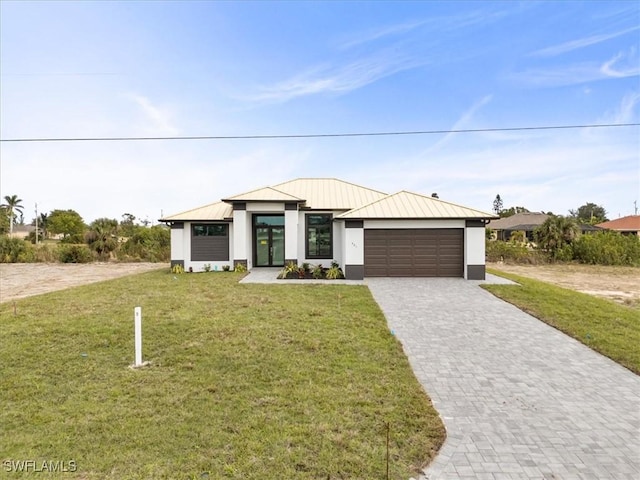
column 437, row 252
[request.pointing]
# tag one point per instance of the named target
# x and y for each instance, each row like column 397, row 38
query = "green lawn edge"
column 246, row 381
column 604, row 326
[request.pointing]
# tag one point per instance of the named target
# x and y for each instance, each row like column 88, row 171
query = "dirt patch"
column 621, row 284
column 20, row 280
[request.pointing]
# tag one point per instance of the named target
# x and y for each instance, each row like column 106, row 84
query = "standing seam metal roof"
column 412, row 205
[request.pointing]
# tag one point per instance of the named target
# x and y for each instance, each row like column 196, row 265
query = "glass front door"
column 269, row 240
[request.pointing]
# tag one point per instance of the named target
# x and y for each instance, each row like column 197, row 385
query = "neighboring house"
column 525, row 222
column 629, row 225
column 22, row 231
column 321, row 220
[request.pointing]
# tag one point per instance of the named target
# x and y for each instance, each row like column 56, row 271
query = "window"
column 209, row 242
column 209, row 230
column 319, row 235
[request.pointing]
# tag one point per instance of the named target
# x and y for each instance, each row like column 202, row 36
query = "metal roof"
column 266, row 194
column 213, row 211
column 412, row 205
column 329, row 193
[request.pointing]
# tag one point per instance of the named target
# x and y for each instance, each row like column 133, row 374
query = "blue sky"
column 111, row 69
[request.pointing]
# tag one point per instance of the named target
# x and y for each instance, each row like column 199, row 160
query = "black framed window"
column 319, row 235
column 209, row 230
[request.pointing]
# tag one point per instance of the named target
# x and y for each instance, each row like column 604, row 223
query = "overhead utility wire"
column 318, row 135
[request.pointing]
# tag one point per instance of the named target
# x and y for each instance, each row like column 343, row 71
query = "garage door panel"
column 414, row 253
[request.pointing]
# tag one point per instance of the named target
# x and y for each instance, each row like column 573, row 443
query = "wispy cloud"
column 382, row 32
column 158, row 119
column 448, row 23
column 580, row 43
column 460, row 123
column 621, row 65
column 340, row 79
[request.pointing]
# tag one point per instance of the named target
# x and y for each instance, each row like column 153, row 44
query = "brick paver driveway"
column 519, row 399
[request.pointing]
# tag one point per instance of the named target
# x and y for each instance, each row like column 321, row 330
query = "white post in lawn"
column 137, row 320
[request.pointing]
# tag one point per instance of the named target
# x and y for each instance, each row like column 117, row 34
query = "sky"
column 198, row 68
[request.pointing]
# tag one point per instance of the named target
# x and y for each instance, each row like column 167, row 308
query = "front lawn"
column 245, row 381
column 605, row 326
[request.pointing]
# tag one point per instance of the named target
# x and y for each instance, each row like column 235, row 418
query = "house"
column 22, row 231
column 629, row 225
column 527, row 222
column 321, row 220
column 520, row 222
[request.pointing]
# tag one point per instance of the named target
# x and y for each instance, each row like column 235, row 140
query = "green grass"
column 246, row 381
column 605, row 326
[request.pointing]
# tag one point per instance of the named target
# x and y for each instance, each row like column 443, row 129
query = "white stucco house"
column 320, row 220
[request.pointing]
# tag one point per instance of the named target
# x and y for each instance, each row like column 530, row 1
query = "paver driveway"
column 519, row 399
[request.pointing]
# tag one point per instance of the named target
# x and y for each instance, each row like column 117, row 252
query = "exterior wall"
column 474, row 253
column 240, row 231
column 177, row 244
column 291, row 226
column 353, row 250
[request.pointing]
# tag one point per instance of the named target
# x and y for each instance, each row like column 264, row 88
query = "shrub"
column 147, row 244
column 241, row 268
column 607, row 248
column 497, row 251
column 74, row 254
column 207, row 267
column 334, row 273
column 46, row 253
column 318, row 272
column 14, row 250
column 226, row 268
column 177, row 268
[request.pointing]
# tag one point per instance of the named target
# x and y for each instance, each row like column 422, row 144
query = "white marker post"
column 137, row 319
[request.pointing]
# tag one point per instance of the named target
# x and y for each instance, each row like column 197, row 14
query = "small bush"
column 226, row 268
column 74, row 254
column 497, row 251
column 241, row 268
column 46, row 253
column 207, row 267
column 13, row 250
column 334, row 273
column 177, row 269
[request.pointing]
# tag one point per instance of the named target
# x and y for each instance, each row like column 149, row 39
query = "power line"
column 317, row 135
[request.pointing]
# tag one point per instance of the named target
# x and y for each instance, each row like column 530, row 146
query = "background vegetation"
column 559, row 239
column 62, row 236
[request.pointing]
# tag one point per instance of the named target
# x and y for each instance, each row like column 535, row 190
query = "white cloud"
column 382, row 32
column 464, row 119
column 580, row 43
column 157, row 120
column 341, row 79
column 622, row 65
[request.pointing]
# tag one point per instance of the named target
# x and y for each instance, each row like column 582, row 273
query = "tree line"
column 62, row 235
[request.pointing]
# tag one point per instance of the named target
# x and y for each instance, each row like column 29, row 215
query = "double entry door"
column 268, row 240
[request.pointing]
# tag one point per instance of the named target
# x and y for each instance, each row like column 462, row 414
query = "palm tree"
column 43, row 223
column 555, row 233
column 103, row 236
column 12, row 205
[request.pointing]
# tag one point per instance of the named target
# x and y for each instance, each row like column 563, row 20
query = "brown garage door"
column 414, row 253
